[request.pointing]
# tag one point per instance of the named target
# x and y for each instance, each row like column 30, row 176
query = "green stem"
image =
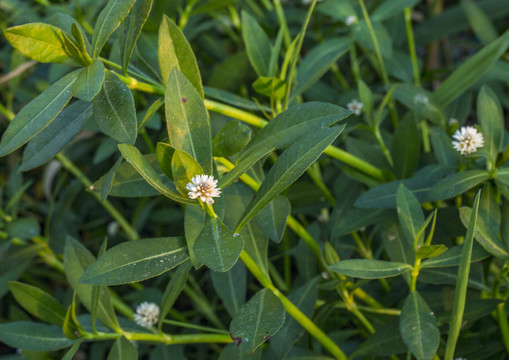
column 381, row 143
column 282, row 22
column 162, row 338
column 195, row 327
column 500, row 311
column 355, row 162
column 291, row 309
column 411, row 45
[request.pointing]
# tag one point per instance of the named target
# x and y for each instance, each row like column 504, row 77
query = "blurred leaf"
column 410, row 215
column 174, row 52
column 38, row 302
column 457, row 184
column 479, row 22
column 135, row 261
column 272, row 218
column 44, row 43
column 430, row 251
column 272, row 87
column 108, row 21
column 173, row 289
column 187, row 119
column 183, row 169
column 366, row 96
column 89, row 81
column 232, row 138
column 13, row 263
column 217, row 246
column 231, row 287
column 386, row 341
column 257, row 44
column 133, row 25
column 362, row 35
column 452, row 257
column 77, row 259
column 50, row 141
column 355, row 219
column 38, row 114
column 257, row 320
column 369, row 269
column 69, row 355
column 28, row 335
column 491, row 119
column 421, row 102
column 164, row 154
column 114, row 110
column 194, row 221
column 233, row 99
column 23, row 228
column 289, row 167
column 390, row 8
column 418, row 327
column 232, row 351
column 406, row 148
column 123, row 349
column 108, row 178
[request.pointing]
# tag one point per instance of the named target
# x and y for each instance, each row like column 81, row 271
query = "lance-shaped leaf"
column 133, row 25
column 257, row 320
column 114, row 110
column 89, row 81
column 184, row 168
column 484, row 236
column 175, row 52
column 410, row 214
column 284, row 130
column 257, row 44
column 491, row 119
column 289, row 167
column 232, row 138
column 77, row 259
column 173, row 290
column 406, row 148
column 272, row 219
column 49, row 142
column 217, row 246
column 123, row 349
column 136, row 261
column 28, row 335
column 452, row 257
column 187, row 119
column 165, row 186
column 38, row 302
column 418, row 327
column 44, row 43
column 457, row 184
column 109, row 19
column 38, row 114
column 369, row 269
column 231, row 287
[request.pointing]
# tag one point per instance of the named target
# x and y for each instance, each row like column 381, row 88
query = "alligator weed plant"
column 254, row 179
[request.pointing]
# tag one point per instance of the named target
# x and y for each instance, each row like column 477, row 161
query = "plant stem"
column 291, row 309
column 195, row 327
column 282, row 22
column 162, row 338
column 411, row 45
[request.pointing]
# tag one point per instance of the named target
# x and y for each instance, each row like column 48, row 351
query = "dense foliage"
column 242, row 179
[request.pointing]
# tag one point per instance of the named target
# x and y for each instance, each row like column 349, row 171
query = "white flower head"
column 352, row 19
column 355, row 106
column 203, row 187
column 147, row 314
column 467, row 140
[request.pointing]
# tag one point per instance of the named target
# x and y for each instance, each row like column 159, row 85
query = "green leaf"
column 362, row 35
column 28, row 335
column 272, row 87
column 89, row 81
column 188, row 120
column 232, row 138
column 460, row 293
column 194, row 221
column 284, row 130
column 50, row 141
column 44, row 43
column 77, row 259
column 38, row 302
column 23, row 228
column 386, row 341
column 488, row 240
column 471, row 71
column 452, row 257
column 165, row 186
column 69, row 355
column 457, row 184
column 217, row 246
column 421, row 102
column 231, row 287
column 369, row 269
column 133, row 25
column 479, row 22
column 175, row 52
column 164, row 154
column 355, row 219
column 491, row 119
column 114, row 110
column 289, row 167
column 108, row 180
column 81, row 41
column 272, row 218
column 232, row 351
column 123, row 349
column 390, row 8
column 410, row 215
column 318, row 61
column 109, row 19
column 184, row 168
column 173, row 290
column 257, row 320
column 418, row 327
column 136, row 261
column 366, row 96
column 232, row 99
column 13, row 263
column 257, row 44
column 406, row 148
column 38, row 114
column 429, row 251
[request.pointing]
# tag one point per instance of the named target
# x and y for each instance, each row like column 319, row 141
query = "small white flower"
column 147, row 314
column 352, row 19
column 203, row 187
column 467, row 140
column 421, row 99
column 355, row 106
